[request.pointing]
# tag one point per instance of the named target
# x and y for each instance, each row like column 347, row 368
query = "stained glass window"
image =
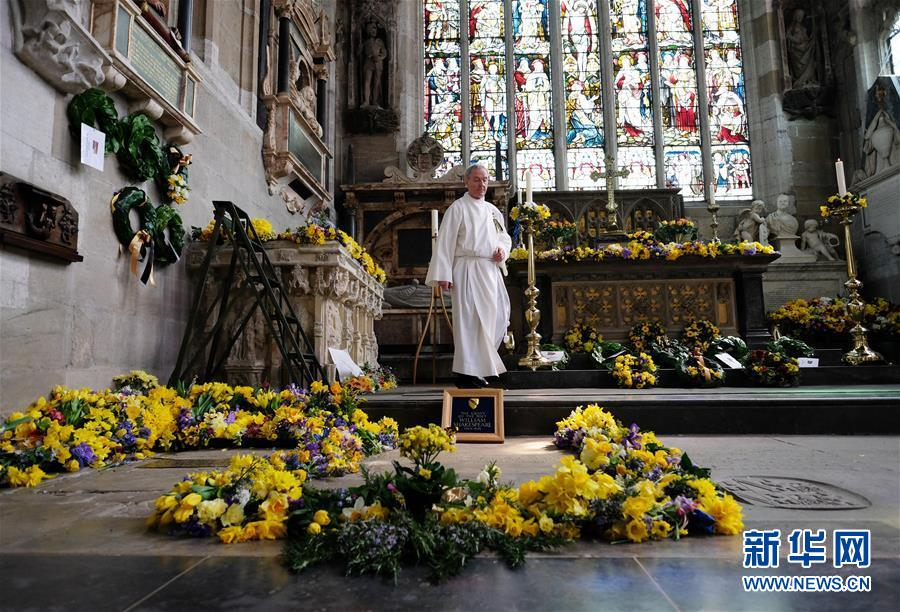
column 584, row 110
column 533, row 99
column 640, row 69
column 729, row 132
column 443, row 106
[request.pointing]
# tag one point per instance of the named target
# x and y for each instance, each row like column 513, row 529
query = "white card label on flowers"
column 808, row 362
column 730, row 361
column 93, row 147
column 344, row 363
column 554, row 356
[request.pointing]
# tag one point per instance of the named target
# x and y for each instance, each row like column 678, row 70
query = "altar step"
column 806, row 410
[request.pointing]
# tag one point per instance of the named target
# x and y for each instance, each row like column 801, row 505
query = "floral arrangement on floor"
column 77, row 428
column 772, row 369
column 621, row 485
column 678, row 230
column 820, row 317
column 383, row 378
column 838, row 202
column 530, row 211
column 634, row 371
column 698, row 371
column 310, row 234
column 635, row 249
column 698, row 334
column 582, row 338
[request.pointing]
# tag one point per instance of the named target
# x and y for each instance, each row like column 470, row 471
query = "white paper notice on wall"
column 730, row 361
column 808, row 362
column 344, row 363
column 93, row 147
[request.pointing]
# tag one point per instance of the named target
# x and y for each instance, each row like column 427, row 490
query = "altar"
column 614, row 294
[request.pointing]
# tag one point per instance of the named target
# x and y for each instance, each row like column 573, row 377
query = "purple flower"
column 232, row 416
column 633, row 437
column 83, row 453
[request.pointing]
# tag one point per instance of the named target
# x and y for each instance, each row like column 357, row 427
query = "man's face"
column 477, row 183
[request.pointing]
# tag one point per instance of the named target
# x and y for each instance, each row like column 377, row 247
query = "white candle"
column 842, row 184
column 434, row 222
column 520, row 196
column 712, row 192
column 528, row 186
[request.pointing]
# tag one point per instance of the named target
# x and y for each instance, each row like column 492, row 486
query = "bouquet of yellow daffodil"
column 842, row 205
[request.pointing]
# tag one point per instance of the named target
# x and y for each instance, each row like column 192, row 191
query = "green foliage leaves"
column 140, row 154
column 96, row 109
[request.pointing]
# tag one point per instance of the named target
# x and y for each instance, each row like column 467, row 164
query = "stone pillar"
column 752, row 304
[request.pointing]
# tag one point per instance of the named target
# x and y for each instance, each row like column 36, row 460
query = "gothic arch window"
column 556, row 85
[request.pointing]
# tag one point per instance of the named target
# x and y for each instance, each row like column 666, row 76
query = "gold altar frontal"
column 613, row 295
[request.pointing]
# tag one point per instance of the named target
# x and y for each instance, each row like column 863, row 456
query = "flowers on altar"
column 557, row 232
column 819, row 317
column 677, row 230
column 74, row 429
column 582, row 338
column 634, row 371
column 838, row 202
column 530, row 211
column 641, row 248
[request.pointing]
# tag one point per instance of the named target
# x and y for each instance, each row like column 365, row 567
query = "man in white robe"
column 471, row 249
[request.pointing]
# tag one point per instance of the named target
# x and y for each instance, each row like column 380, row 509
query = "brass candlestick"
column 713, row 207
column 533, row 358
column 860, row 352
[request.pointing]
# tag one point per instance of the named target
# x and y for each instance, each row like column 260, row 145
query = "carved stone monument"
column 336, row 301
column 881, row 139
column 783, row 225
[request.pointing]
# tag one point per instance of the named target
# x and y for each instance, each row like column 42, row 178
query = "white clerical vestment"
column 470, row 232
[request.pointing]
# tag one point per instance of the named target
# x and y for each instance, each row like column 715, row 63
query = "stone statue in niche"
column 806, row 60
column 373, row 55
column 881, row 140
column 751, row 224
column 801, row 49
column 818, row 242
column 781, row 222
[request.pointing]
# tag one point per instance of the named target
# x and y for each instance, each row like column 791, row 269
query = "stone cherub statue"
column 751, row 225
column 781, row 222
column 818, row 242
column 373, row 55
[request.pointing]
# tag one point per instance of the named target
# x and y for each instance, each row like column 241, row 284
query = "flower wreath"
column 643, row 334
column 699, row 334
column 581, row 338
column 635, row 372
column 700, row 372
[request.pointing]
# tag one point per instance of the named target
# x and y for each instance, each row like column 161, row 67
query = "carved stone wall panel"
column 613, row 306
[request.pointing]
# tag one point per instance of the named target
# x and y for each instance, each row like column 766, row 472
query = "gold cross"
column 610, row 175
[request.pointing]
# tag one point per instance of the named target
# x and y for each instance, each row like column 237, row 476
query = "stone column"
column 752, row 304
column 284, row 54
column 185, row 23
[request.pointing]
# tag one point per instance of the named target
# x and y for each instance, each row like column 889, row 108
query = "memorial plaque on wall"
column 475, row 414
column 303, row 149
column 34, row 219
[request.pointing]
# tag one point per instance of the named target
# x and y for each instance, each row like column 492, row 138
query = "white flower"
column 242, row 497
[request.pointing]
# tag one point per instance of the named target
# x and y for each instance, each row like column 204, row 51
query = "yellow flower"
column 314, row 529
column 636, row 530
column 636, row 507
column 29, row 477
column 321, row 517
column 545, row 523
column 209, row 511
column 425, row 473
column 660, row 529
column 234, row 515
column 726, row 511
column 231, row 534
column 186, row 507
column 317, row 386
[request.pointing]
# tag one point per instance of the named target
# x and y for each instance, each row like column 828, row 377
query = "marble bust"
column 781, row 222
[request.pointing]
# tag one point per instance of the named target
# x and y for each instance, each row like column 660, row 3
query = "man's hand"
column 499, row 255
column 445, row 285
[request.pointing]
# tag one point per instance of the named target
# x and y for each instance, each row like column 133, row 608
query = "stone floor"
column 78, row 542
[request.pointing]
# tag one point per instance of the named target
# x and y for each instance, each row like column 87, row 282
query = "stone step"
column 806, row 410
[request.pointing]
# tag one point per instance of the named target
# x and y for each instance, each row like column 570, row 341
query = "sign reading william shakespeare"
column 37, row 220
column 475, row 414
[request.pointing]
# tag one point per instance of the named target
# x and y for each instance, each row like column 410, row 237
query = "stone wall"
column 81, row 324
